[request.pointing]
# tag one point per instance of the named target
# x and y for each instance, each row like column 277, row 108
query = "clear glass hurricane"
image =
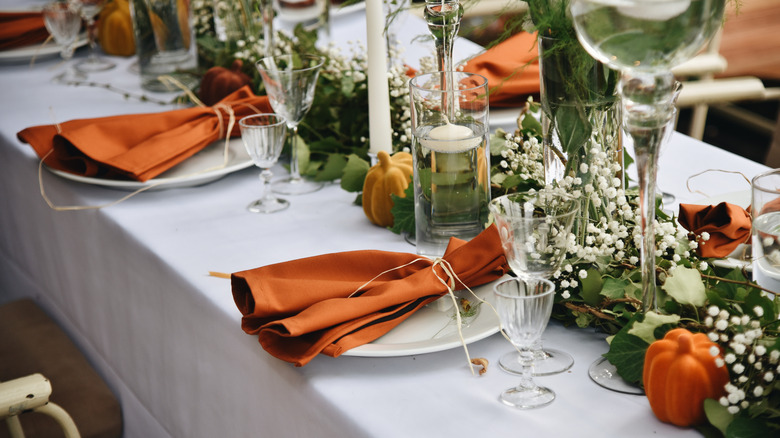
column 89, row 9
column 290, row 82
column 524, row 308
column 63, row 22
column 535, row 231
column 263, row 136
column 644, row 39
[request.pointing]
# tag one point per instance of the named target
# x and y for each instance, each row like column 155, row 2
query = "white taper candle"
column 380, row 130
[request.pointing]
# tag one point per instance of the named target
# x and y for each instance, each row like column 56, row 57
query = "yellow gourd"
column 679, row 374
column 391, row 175
column 115, row 30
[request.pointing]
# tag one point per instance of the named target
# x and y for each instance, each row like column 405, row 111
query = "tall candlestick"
column 380, row 130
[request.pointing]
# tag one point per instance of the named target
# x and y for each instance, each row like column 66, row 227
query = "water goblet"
column 535, row 230
column 765, row 236
column 89, row 9
column 63, row 22
column 290, row 82
column 644, row 40
column 524, row 308
column 263, row 136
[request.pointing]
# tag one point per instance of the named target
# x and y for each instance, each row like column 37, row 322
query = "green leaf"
column 403, row 212
column 590, row 289
column 685, row 286
column 717, row 414
column 573, row 128
column 530, row 123
column 743, row 427
column 615, row 287
column 333, row 168
column 646, row 329
column 627, row 354
column 354, row 173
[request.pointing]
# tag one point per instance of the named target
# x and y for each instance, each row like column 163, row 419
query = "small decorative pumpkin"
column 218, row 82
column 679, row 374
column 115, row 30
column 391, row 175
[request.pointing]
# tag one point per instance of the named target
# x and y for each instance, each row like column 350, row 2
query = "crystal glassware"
column 63, row 22
column 644, row 40
column 765, row 212
column 524, row 308
column 535, row 230
column 290, row 82
column 89, row 9
column 263, row 136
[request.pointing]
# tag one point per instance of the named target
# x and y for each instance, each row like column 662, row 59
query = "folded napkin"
column 139, row 146
column 304, row 307
column 727, row 224
column 512, row 69
column 19, row 29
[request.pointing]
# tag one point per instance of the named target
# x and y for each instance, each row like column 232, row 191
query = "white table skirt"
column 129, row 283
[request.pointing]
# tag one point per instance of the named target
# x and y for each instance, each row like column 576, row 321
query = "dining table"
column 130, row 283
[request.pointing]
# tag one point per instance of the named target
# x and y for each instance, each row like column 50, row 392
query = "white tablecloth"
column 129, row 283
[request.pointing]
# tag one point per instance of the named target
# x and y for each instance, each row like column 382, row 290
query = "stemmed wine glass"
column 63, row 22
column 263, row 136
column 644, row 40
column 535, row 230
column 290, row 82
column 89, row 10
column 524, row 308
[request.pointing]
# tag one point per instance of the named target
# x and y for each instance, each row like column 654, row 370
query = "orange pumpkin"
column 115, row 29
column 218, row 82
column 679, row 374
column 391, row 175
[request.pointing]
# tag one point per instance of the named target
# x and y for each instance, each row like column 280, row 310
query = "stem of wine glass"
column 443, row 18
column 268, row 27
column 648, row 104
column 266, row 176
column 91, row 38
column 295, row 173
column 526, row 370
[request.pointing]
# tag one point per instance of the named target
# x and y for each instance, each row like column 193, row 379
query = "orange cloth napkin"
column 139, row 146
column 512, row 70
column 303, row 307
column 19, row 29
column 728, row 226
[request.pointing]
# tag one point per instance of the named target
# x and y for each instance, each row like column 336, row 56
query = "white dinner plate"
column 430, row 330
column 37, row 51
column 201, row 168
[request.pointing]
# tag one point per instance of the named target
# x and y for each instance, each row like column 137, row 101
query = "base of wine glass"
column 547, row 362
column 605, row 375
column 527, row 398
column 91, row 65
column 295, row 186
column 268, row 205
column 70, row 75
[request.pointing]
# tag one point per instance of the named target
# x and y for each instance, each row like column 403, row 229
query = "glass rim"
column 549, row 287
column 281, row 120
column 414, row 80
column 755, row 185
column 495, row 202
column 260, row 64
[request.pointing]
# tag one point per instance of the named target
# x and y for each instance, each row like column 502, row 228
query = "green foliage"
column 403, row 212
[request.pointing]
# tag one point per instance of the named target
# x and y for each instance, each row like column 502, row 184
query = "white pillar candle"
column 450, row 138
column 380, row 130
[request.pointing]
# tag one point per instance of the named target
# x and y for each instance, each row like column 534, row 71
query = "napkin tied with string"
column 512, row 70
column 328, row 304
column 727, row 224
column 19, row 29
column 139, row 146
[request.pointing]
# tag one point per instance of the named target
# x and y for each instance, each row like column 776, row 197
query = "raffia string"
column 688, row 181
column 223, row 133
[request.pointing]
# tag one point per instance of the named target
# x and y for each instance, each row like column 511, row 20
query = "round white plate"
column 429, row 329
column 37, row 51
column 201, row 168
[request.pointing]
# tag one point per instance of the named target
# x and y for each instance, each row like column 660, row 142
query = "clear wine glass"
column 524, row 308
column 63, row 22
column 290, row 82
column 89, row 9
column 535, row 229
column 644, row 40
column 263, row 136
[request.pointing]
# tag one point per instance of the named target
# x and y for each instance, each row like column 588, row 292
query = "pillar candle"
column 380, row 130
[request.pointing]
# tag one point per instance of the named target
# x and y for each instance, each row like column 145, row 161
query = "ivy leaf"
column 591, row 287
column 686, row 287
column 717, row 414
column 354, row 174
column 403, row 212
column 743, row 427
column 333, row 168
column 646, row 329
column 615, row 287
column 531, row 124
column 627, row 354
column 497, row 141
column 573, row 128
